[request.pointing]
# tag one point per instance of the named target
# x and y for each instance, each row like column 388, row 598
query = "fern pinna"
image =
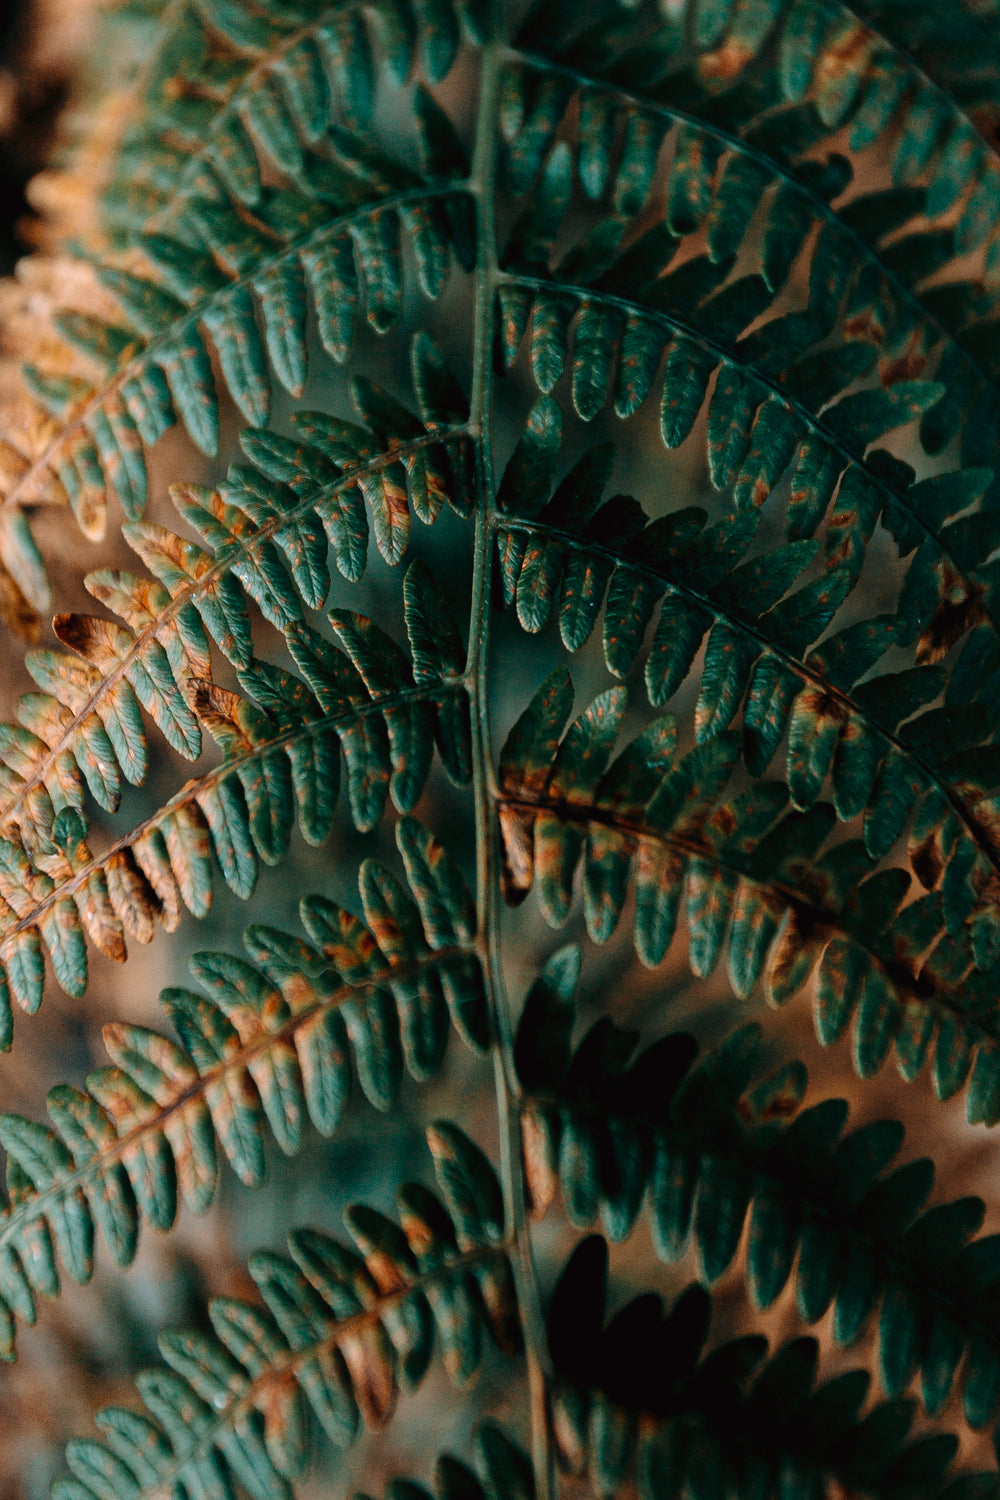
column 676, row 321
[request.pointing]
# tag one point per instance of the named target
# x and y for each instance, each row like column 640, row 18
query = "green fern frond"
column 640, row 1397
column 266, row 534
column 779, row 404
column 338, row 241
column 711, row 1149
column 731, row 161
column 778, row 223
column 281, row 763
column 266, row 1047
column 831, row 57
column 755, row 878
column 884, row 749
column 274, row 78
column 343, row 1330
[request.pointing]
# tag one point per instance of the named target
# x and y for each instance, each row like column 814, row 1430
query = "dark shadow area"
column 30, row 103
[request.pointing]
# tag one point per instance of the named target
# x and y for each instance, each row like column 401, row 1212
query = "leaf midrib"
column 482, row 186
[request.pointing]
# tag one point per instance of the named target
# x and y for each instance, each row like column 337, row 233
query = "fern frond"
column 727, row 175
column 835, row 67
column 281, row 763
column 338, row 241
column 753, row 875
column 265, row 535
column 781, row 402
column 711, row 1149
column 778, row 221
column 273, row 80
column 820, row 430
column 343, row 1330
column 639, row 1397
column 762, row 425
column 268, row 1044
column 883, row 748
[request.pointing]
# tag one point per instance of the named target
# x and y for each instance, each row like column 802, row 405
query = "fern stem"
column 482, row 185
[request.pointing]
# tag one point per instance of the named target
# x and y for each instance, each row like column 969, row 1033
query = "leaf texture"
column 781, row 1428
column 709, row 1147
column 282, row 748
column 755, row 880
column 264, row 545
column 266, row 1047
column 340, row 1329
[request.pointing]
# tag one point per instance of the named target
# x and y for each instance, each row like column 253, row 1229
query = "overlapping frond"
column 779, row 222
column 282, row 748
column 639, row 1398
column 265, row 537
column 756, row 881
column 271, row 80
column 342, row 1331
column 820, row 66
column 269, row 1045
column 240, row 282
column 885, row 740
column 781, row 403
column 710, row 1147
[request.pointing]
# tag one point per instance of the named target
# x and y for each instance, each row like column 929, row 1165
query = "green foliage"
column 709, row 1148
column 341, row 1332
column 265, row 1049
column 726, row 1423
column 281, row 765
column 755, row 881
column 681, row 319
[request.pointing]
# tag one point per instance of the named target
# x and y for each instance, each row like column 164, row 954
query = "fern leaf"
column 339, row 230
column 878, row 738
column 741, row 222
column 265, row 532
column 715, row 1149
column 281, row 764
column 341, row 1331
column 780, row 1427
column 755, row 879
column 266, row 1047
column 276, row 79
